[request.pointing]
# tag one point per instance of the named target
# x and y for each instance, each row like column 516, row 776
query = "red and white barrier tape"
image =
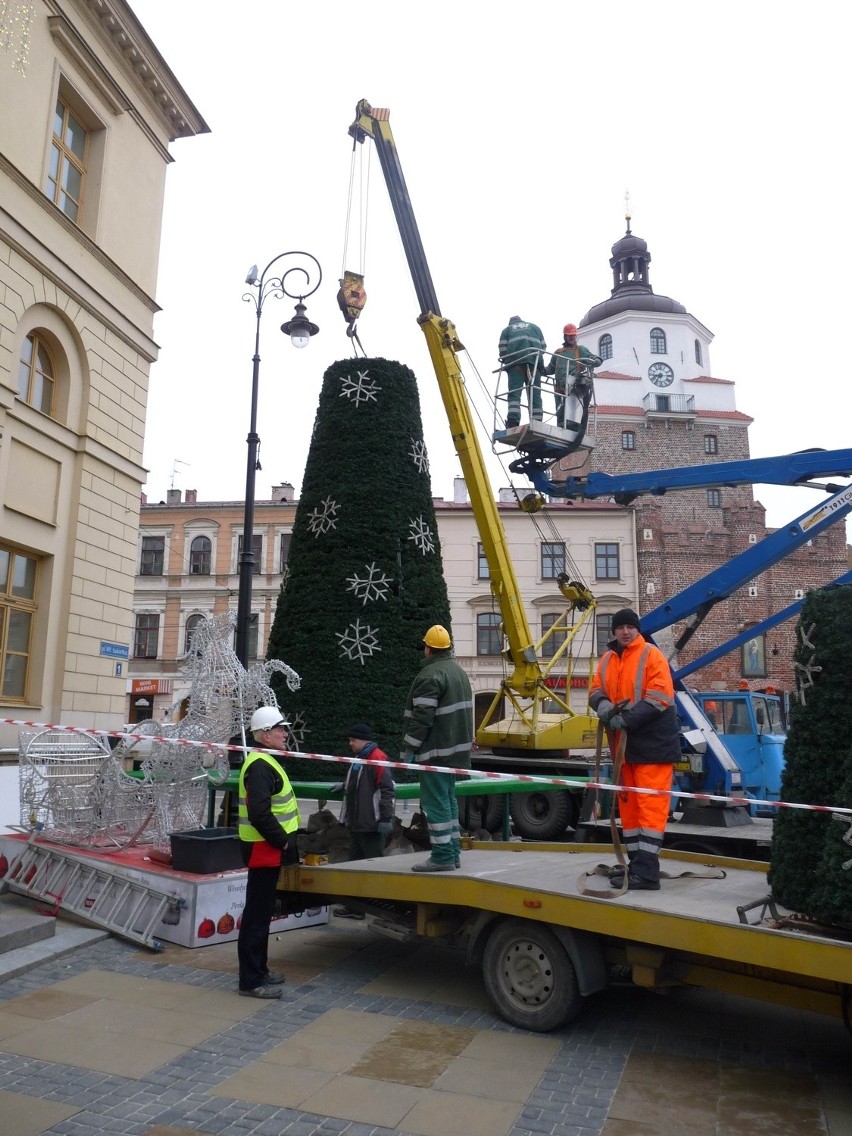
column 527, row 778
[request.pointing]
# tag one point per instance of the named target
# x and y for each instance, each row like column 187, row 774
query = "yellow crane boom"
column 528, row 726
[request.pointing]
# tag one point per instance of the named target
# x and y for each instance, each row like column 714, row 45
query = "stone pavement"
column 375, row 1037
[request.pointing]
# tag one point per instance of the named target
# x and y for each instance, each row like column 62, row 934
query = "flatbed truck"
column 545, row 949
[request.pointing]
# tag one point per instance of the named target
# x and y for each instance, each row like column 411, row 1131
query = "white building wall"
column 580, row 526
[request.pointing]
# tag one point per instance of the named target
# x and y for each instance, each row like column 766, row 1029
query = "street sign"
column 115, row 651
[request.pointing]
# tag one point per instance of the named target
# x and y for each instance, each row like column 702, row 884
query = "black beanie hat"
column 362, row 732
column 627, row 617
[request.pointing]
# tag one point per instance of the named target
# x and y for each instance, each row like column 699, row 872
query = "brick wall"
column 680, row 537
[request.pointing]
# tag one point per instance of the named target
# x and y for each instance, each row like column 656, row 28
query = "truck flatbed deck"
column 544, row 947
column 752, row 840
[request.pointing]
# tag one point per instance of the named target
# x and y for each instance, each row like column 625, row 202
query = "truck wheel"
column 544, row 816
column 485, row 812
column 529, row 976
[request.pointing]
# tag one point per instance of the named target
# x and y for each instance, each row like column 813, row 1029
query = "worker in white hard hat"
column 439, row 731
column 268, row 817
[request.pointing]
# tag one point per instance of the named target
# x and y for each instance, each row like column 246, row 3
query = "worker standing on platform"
column 439, row 731
column 268, row 817
column 521, row 347
column 633, row 694
column 568, row 377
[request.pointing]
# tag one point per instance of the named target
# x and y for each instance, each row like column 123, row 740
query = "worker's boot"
column 431, row 865
column 638, row 883
column 644, row 872
column 616, row 873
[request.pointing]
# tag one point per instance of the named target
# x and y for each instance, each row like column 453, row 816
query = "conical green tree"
column 807, row 847
column 364, row 573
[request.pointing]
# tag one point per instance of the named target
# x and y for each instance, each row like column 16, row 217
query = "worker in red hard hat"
column 571, row 366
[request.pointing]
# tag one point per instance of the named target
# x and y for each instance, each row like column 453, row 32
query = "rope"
column 524, row 778
column 615, row 832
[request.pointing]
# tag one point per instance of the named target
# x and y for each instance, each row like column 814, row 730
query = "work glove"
column 385, row 827
column 337, row 787
column 616, row 722
column 604, row 710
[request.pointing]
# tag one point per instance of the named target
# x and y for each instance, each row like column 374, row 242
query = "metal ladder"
column 97, row 894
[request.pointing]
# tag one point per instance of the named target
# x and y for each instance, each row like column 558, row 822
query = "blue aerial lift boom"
column 721, row 773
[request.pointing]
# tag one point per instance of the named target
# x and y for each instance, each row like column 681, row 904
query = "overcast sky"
column 519, row 128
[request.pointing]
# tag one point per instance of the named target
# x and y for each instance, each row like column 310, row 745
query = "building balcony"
column 681, row 406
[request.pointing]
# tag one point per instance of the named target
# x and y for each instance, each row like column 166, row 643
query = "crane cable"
column 351, row 298
column 552, row 531
column 363, row 214
column 363, row 187
column 587, row 635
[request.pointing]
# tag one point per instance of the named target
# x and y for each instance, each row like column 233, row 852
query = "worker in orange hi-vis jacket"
column 633, row 694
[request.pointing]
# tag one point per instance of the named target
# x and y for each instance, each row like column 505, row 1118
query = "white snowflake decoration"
column 362, row 389
column 806, row 671
column 417, row 453
column 373, row 586
column 358, row 642
column 421, row 534
column 324, row 518
column 298, row 728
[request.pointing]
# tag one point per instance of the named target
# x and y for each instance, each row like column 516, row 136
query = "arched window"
column 605, row 347
column 698, row 353
column 658, row 341
column 36, row 375
column 191, row 625
column 199, row 556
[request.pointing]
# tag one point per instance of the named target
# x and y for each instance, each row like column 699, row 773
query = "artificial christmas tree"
column 364, row 576
column 808, row 851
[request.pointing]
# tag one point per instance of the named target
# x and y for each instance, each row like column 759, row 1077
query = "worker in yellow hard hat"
column 439, row 731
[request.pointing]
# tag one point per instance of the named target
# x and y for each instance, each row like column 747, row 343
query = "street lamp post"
column 300, row 330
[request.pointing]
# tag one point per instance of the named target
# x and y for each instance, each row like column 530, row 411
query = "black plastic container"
column 206, row 850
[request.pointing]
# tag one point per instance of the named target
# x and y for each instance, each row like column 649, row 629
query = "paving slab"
column 374, row 1035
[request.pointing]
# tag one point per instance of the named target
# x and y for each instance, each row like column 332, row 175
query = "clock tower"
column 659, row 406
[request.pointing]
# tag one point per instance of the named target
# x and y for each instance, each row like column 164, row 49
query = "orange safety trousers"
column 641, row 810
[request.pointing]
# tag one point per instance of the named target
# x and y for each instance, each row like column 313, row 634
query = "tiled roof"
column 638, row 412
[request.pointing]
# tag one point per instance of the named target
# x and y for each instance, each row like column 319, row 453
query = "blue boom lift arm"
column 696, row 600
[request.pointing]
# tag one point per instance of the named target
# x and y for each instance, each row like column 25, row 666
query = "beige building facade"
column 187, row 565
column 83, row 161
column 188, row 569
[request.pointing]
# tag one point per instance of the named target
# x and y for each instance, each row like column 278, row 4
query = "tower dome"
column 631, row 290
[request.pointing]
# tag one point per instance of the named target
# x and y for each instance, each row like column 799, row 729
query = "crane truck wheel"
column 485, row 812
column 529, row 976
column 545, row 815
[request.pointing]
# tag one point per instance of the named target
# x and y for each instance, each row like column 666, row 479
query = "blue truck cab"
column 752, row 726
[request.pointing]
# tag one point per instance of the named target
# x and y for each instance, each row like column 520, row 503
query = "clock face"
column 661, row 374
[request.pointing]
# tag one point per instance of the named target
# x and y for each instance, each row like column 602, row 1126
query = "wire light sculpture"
column 80, row 791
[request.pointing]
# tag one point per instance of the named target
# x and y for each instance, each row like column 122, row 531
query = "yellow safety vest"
column 285, row 808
